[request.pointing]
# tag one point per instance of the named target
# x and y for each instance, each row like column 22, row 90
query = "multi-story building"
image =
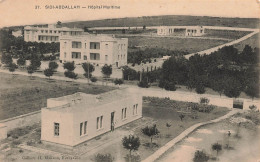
column 96, row 49
column 48, row 33
column 73, row 119
column 180, row 30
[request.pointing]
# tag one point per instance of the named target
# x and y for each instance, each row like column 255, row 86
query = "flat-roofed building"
column 48, row 33
column 73, row 119
column 180, row 31
column 97, row 49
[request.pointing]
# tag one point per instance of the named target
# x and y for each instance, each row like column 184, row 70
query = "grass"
column 188, row 45
column 225, row 34
column 20, row 95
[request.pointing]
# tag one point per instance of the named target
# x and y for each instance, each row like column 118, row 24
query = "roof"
column 52, row 27
column 98, row 37
column 80, row 100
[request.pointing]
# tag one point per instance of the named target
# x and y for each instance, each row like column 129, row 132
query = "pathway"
column 177, row 139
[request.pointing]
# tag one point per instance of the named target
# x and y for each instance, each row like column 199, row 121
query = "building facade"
column 48, row 33
column 180, row 31
column 17, row 33
column 73, row 119
column 95, row 49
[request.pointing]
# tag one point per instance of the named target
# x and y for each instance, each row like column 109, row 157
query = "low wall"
column 21, row 121
column 216, row 100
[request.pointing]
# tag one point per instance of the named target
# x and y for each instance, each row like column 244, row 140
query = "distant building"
column 48, row 33
column 94, row 48
column 180, row 30
column 73, row 119
column 17, row 33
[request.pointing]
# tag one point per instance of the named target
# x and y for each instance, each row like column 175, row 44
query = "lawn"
column 188, row 45
column 20, row 94
column 228, row 34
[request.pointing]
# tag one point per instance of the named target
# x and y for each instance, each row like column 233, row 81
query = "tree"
column 200, row 156
column 168, row 125
column 150, row 131
column 12, row 67
column 21, row 61
column 131, row 143
column 70, row 66
column 35, row 62
column 107, row 70
column 6, row 59
column 88, row 68
column 71, row 74
column 30, row 69
column 200, row 89
column 216, row 147
column 48, row 72
column 252, row 89
column 170, row 86
column 181, row 116
column 53, row 65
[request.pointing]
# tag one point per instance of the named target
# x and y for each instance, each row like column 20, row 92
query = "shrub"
column 131, row 143
column 104, row 158
column 170, row 86
column 150, row 131
column 133, row 158
column 118, row 81
column 70, row 74
column 53, row 65
column 93, row 79
column 204, row 100
column 86, row 75
column 29, row 143
column 70, row 66
column 200, row 156
column 143, row 84
column 16, row 142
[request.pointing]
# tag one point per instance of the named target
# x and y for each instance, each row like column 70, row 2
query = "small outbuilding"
column 73, row 119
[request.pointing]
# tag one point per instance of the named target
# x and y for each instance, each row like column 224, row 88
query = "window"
column 81, row 127
column 99, row 122
column 76, row 44
column 94, row 45
column 76, row 55
column 41, row 31
column 85, row 127
column 123, row 113
column 55, row 31
column 134, row 110
column 85, row 57
column 46, row 31
column 106, row 46
column 85, row 45
column 65, row 54
column 56, row 129
column 94, row 56
column 136, row 106
column 106, row 57
column 50, row 31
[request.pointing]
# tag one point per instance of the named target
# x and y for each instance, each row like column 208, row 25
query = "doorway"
column 112, row 121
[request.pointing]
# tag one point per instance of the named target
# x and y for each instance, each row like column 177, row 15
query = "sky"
column 23, row 12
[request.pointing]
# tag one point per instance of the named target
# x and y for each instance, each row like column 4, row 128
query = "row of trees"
column 225, row 71
column 143, row 56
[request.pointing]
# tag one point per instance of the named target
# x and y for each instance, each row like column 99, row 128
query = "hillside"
column 169, row 20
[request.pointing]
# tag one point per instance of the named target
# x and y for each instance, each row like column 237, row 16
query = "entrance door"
column 116, row 64
column 112, row 120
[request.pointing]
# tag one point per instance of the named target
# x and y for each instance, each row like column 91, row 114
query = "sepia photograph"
column 129, row 81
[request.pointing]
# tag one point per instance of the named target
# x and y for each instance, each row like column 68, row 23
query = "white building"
column 96, row 49
column 48, row 33
column 73, row 119
column 180, row 30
